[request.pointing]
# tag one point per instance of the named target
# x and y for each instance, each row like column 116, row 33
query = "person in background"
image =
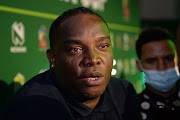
column 177, row 43
column 78, row 85
column 158, row 60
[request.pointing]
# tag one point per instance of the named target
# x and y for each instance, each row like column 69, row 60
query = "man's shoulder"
column 124, row 97
column 120, row 87
column 39, row 94
column 39, row 84
column 36, row 107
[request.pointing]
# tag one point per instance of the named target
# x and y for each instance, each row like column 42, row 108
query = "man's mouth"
column 92, row 79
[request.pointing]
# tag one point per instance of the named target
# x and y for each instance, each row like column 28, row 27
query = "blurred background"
column 25, row 27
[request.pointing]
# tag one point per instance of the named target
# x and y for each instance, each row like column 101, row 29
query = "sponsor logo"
column 132, row 42
column 126, row 66
column 94, row 4
column 18, row 38
column 126, row 11
column 126, row 42
column 118, row 41
column 42, row 33
column 120, row 65
column 19, row 78
column 133, row 66
column 42, row 70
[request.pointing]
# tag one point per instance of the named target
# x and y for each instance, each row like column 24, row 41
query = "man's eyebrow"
column 150, row 58
column 103, row 38
column 72, row 42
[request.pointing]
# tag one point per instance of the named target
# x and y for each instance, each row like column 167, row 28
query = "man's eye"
column 74, row 50
column 151, row 60
column 103, row 46
column 169, row 58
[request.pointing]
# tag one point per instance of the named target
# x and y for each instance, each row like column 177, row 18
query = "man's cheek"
column 71, row 64
column 109, row 60
column 71, row 59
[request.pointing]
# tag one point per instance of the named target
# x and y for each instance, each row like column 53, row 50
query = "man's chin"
column 91, row 93
column 91, row 96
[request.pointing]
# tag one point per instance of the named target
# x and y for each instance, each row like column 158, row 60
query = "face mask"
column 162, row 80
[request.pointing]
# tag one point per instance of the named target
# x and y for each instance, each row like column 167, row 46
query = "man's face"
column 158, row 55
column 83, row 56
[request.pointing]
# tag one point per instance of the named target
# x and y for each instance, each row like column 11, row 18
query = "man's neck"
column 164, row 94
column 92, row 103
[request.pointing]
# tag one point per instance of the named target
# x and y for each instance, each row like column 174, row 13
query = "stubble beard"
column 91, row 96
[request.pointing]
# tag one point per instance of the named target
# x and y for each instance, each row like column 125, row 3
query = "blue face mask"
column 162, row 81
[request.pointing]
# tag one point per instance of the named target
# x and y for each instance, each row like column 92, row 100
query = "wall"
column 159, row 9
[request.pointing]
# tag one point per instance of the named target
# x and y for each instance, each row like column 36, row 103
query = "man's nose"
column 161, row 65
column 91, row 58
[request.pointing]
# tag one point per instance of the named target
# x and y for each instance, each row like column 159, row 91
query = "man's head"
column 155, row 49
column 158, row 60
column 81, row 53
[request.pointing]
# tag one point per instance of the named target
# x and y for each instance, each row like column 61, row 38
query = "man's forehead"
column 81, row 17
column 161, row 44
column 78, row 24
column 157, row 49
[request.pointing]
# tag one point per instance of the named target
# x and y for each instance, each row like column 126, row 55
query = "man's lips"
column 92, row 78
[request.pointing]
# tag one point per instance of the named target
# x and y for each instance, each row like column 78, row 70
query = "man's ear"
column 138, row 65
column 51, row 58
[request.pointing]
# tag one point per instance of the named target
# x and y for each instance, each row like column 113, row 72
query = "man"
column 158, row 60
column 79, row 85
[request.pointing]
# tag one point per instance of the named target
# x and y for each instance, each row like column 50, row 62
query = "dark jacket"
column 41, row 99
